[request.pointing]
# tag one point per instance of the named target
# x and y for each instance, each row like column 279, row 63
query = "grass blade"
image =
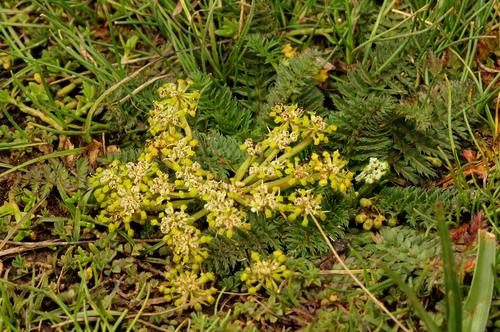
column 453, row 296
column 478, row 302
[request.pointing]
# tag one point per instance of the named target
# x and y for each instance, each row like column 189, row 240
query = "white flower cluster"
column 374, row 171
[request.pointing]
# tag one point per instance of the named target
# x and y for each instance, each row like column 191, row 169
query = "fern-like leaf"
column 228, row 254
column 218, row 153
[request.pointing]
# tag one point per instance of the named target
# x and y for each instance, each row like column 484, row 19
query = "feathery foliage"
column 416, row 205
column 407, row 132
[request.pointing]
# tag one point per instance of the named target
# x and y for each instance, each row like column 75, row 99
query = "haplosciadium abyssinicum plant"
column 143, row 193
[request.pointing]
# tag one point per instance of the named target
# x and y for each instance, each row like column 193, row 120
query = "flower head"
column 185, row 286
column 374, row 171
column 177, row 95
column 305, row 204
column 266, row 272
column 186, row 244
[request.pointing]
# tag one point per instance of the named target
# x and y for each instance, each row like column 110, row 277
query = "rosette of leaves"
column 169, row 186
column 409, row 253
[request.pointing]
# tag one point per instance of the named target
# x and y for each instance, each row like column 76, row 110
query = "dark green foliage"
column 363, row 130
column 429, row 108
column 263, row 20
column 307, row 241
column 256, row 71
column 311, row 98
column 408, row 252
column 254, row 78
column 231, row 283
column 263, row 47
column 399, row 75
column 218, row 153
column 402, row 132
column 406, row 201
column 259, row 83
column 219, row 109
column 226, row 254
column 292, row 79
column 127, row 111
column 42, row 178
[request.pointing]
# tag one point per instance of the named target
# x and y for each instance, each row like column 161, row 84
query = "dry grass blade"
column 377, row 302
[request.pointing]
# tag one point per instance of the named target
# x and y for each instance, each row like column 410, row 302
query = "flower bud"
column 361, row 218
column 368, row 224
column 38, row 78
column 325, row 302
column 364, row 202
column 391, row 222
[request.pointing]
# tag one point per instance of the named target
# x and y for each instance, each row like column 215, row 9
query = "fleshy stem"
column 31, row 111
column 299, row 147
column 185, row 125
column 198, row 215
column 253, row 177
column 243, row 168
column 175, row 205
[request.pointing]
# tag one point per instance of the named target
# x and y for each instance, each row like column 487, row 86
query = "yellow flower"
column 289, row 51
column 322, row 76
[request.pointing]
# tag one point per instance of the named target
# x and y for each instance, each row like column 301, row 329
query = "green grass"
column 412, row 83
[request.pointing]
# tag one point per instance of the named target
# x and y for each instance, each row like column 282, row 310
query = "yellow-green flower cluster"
column 267, row 272
column 262, row 199
column 298, row 121
column 170, row 111
column 123, row 194
column 330, row 169
column 177, row 95
column 185, row 286
column 186, row 243
column 305, row 205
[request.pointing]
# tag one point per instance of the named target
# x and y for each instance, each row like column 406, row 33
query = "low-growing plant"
column 471, row 315
column 175, row 192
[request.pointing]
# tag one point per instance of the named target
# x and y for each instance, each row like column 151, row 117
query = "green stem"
column 198, row 215
column 185, row 125
column 31, row 111
column 308, row 31
column 175, row 205
column 242, row 170
column 299, row 147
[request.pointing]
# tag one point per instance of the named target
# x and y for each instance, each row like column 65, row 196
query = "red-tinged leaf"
column 469, row 155
column 478, row 222
column 457, row 235
column 470, row 265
